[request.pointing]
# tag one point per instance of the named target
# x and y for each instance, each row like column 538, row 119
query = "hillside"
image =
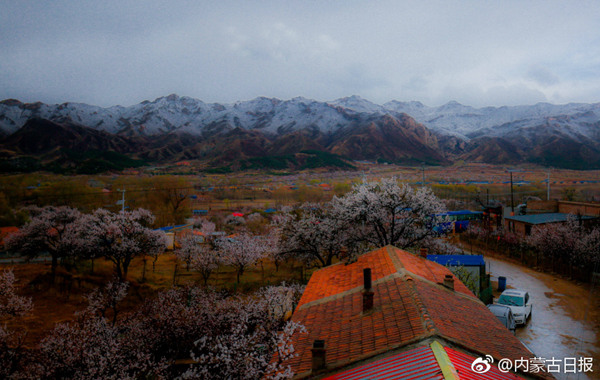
column 181, row 128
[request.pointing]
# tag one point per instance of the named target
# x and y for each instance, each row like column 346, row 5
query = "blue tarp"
column 457, row 260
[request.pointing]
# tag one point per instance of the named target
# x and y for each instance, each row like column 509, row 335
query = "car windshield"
column 510, row 300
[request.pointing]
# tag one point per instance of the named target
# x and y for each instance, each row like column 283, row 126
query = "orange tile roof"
column 349, row 334
column 409, row 306
column 429, row 270
column 339, row 278
column 469, row 324
column 5, row 231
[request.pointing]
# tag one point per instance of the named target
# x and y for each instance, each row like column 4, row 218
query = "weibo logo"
column 482, row 365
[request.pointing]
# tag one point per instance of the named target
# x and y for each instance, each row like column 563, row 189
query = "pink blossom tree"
column 588, row 248
column 226, row 336
column 11, row 304
column 569, row 243
column 249, row 333
column 120, row 237
column 555, row 240
column 93, row 348
column 100, row 301
column 390, row 212
column 49, row 230
column 314, row 236
column 242, row 251
column 205, row 226
column 198, row 254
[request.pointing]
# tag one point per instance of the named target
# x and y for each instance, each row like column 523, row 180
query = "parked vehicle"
column 519, row 303
column 504, row 315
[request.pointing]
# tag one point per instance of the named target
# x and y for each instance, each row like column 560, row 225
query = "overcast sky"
column 475, row 52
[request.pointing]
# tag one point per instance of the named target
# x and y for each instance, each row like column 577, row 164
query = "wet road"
column 565, row 318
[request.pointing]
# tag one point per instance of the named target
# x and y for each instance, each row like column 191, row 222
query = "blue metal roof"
column 168, row 228
column 462, row 212
column 457, row 260
column 553, row 217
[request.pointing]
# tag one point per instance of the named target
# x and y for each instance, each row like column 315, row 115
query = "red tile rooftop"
column 410, row 306
column 339, row 278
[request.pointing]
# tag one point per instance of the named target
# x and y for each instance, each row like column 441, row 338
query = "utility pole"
column 122, row 201
column 548, row 187
column 512, row 199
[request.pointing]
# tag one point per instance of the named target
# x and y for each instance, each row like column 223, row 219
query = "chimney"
column 423, row 252
column 318, row 355
column 449, row 282
column 367, row 292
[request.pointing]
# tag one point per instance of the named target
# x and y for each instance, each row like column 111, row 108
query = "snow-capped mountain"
column 561, row 135
column 467, row 122
column 174, row 113
column 171, row 113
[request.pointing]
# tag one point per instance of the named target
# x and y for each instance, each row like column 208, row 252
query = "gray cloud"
column 542, row 76
column 122, row 52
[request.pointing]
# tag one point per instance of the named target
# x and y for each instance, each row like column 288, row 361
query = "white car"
column 519, row 303
column 504, row 315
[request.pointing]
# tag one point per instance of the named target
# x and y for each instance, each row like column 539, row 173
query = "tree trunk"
column 118, row 270
column 53, row 268
column 144, row 270
column 175, row 274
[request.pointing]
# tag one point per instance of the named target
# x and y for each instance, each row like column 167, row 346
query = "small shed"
column 473, row 268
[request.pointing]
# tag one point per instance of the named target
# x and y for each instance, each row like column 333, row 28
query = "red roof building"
column 410, row 318
column 5, row 232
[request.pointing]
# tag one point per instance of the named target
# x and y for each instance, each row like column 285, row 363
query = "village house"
column 523, row 225
column 565, row 207
column 392, row 314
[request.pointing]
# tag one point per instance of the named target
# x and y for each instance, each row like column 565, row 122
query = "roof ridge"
column 393, row 255
column 348, row 292
column 440, row 285
column 428, row 323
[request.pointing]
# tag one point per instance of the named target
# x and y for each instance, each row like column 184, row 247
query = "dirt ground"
column 60, row 302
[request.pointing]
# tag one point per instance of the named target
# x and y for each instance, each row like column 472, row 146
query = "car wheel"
column 529, row 316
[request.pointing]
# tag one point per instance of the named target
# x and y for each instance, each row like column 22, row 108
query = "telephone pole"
column 122, row 201
column 548, row 187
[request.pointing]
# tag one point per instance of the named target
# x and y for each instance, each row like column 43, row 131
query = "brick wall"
column 592, row 209
column 538, row 207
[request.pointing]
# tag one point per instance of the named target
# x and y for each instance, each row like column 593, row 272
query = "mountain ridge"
column 270, row 126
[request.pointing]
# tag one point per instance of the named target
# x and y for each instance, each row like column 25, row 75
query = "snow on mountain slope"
column 358, row 104
column 274, row 116
column 172, row 113
column 467, row 122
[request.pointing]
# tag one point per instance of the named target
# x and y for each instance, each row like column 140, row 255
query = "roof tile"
column 409, row 306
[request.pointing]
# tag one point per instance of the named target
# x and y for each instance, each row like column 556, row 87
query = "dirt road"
column 565, row 321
